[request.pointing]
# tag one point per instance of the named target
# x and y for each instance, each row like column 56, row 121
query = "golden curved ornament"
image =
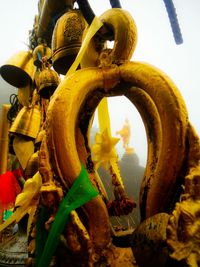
column 63, row 123
column 173, row 147
column 69, row 119
column 125, row 39
column 125, row 33
column 157, row 190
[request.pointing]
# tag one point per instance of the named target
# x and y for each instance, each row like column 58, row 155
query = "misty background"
column 156, row 46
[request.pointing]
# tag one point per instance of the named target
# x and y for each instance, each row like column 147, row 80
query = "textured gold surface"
column 184, row 225
column 67, row 39
column 163, row 112
column 48, row 81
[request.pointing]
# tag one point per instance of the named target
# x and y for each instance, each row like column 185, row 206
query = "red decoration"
column 9, row 189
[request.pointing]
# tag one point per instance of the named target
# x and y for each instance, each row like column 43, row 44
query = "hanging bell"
column 41, row 51
column 67, row 39
column 27, row 122
column 18, row 70
column 48, row 81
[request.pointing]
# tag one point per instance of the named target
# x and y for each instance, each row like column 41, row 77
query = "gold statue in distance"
column 125, row 134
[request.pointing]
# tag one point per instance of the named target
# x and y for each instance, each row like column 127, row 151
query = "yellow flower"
column 104, row 149
column 26, row 202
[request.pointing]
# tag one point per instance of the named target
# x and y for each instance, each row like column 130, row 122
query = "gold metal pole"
column 4, row 130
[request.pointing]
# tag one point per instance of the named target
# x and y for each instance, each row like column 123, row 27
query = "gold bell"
column 18, row 70
column 42, row 50
column 67, row 39
column 27, row 122
column 48, row 81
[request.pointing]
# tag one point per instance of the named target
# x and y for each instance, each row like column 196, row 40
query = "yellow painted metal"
column 4, row 139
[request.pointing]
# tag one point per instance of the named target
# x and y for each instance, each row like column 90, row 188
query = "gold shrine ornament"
column 150, row 90
column 159, row 103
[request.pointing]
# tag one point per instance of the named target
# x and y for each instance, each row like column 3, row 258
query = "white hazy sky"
column 155, row 45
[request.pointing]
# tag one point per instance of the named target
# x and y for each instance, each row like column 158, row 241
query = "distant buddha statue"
column 125, row 133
